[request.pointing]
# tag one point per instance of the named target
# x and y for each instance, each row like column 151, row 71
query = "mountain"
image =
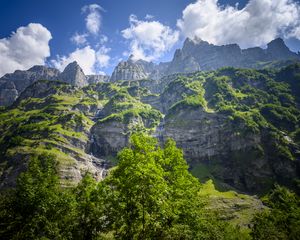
column 200, row 55
column 197, row 55
column 74, row 75
column 13, row 84
column 239, row 127
column 128, row 70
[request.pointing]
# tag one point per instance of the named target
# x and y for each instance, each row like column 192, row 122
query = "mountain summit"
column 199, row 55
column 195, row 55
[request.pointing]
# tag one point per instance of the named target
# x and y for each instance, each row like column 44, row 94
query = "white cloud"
column 259, row 22
column 79, row 39
column 103, row 39
column 103, row 57
column 149, row 17
column 149, row 39
column 88, row 59
column 26, row 47
column 93, row 19
column 85, row 57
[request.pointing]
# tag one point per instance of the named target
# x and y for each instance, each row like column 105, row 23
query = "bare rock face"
column 93, row 79
column 8, row 93
column 74, row 75
column 137, row 70
column 128, row 71
column 108, row 138
column 111, row 136
column 231, row 154
column 200, row 55
column 277, row 50
column 12, row 84
column 183, row 64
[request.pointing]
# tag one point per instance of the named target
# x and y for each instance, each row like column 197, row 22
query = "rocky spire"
column 73, row 74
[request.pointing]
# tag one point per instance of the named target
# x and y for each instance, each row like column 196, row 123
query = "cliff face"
column 128, row 71
column 218, row 148
column 74, row 75
column 197, row 55
column 54, row 118
column 13, row 84
column 200, row 55
column 239, row 127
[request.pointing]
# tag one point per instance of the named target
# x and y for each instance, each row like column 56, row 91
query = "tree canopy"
column 150, row 194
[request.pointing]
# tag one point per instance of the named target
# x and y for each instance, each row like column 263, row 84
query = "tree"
column 37, row 207
column 281, row 220
column 155, row 197
column 90, row 217
column 140, row 190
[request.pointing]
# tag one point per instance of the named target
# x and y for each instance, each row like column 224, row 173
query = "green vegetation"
column 281, row 220
column 264, row 103
column 122, row 107
column 149, row 195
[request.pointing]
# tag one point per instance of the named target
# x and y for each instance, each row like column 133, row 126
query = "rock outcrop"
column 74, row 75
column 12, row 84
column 8, row 93
column 200, row 55
column 93, row 79
column 128, row 70
column 137, row 70
column 209, row 139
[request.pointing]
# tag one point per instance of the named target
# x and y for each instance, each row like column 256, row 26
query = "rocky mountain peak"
column 43, row 69
column 278, row 42
column 74, row 75
column 73, row 67
column 278, row 50
column 128, row 70
column 12, row 84
column 197, row 54
column 131, row 58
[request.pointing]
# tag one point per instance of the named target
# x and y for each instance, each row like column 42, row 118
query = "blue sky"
column 122, row 26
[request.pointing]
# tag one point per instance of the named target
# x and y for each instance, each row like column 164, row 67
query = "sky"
column 100, row 33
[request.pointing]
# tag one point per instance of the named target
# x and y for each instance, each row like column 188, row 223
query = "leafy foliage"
column 37, row 208
column 149, row 195
column 281, row 220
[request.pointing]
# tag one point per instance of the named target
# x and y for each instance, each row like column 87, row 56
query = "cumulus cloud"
column 79, row 39
column 91, row 58
column 149, row 39
column 93, row 19
column 103, row 57
column 85, row 57
column 88, row 59
column 259, row 22
column 26, row 47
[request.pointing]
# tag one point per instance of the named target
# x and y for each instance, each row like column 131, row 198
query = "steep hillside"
column 13, row 84
column 238, row 127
